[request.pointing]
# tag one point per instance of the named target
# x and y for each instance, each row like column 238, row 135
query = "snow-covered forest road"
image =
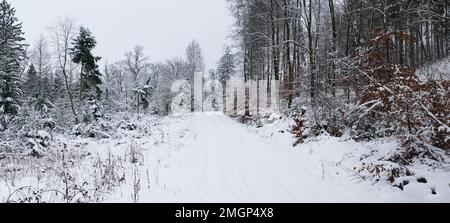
column 226, row 161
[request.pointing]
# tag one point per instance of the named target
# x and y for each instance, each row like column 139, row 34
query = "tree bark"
column 312, row 62
column 333, row 48
column 276, row 66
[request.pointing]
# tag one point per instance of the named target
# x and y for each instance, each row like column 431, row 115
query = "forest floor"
column 210, row 157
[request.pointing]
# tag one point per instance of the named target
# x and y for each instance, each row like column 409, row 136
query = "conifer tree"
column 32, row 82
column 90, row 77
column 12, row 52
column 227, row 67
column 225, row 70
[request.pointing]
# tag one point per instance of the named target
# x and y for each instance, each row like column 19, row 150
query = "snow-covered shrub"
column 248, row 120
column 99, row 129
column 181, row 102
column 127, row 126
column 416, row 149
column 7, row 122
column 124, row 121
column 327, row 124
column 213, row 100
column 269, row 118
column 330, row 122
column 434, row 107
column 49, row 124
column 393, row 165
column 2, row 124
column 264, row 118
column 27, row 135
column 72, row 192
column 108, row 173
column 393, row 101
column 368, row 123
column 93, row 111
column 143, row 95
column 135, row 154
column 335, row 123
column 56, row 168
column 38, row 142
column 42, row 105
column 383, row 170
column 59, row 177
column 300, row 129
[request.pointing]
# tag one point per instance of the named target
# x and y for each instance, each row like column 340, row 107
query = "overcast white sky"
column 163, row 27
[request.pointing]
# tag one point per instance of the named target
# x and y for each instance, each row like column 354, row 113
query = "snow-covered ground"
column 438, row 70
column 209, row 157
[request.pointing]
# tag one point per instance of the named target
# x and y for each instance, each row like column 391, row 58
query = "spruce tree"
column 227, row 67
column 57, row 87
column 225, row 70
column 90, row 78
column 35, row 89
column 32, row 83
column 12, row 52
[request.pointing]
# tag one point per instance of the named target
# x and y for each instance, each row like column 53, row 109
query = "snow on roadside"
column 439, row 69
column 91, row 168
column 346, row 157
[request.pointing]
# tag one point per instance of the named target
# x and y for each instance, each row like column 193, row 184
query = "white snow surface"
column 438, row 70
column 219, row 160
column 209, row 157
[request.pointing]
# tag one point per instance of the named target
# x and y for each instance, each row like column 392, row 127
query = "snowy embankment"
column 213, row 158
column 438, row 70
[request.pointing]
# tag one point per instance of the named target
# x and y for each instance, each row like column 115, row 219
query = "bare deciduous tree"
column 63, row 31
column 136, row 63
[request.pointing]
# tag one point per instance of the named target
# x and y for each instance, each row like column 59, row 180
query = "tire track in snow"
column 228, row 163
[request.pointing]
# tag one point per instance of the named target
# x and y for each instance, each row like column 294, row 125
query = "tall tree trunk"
column 312, row 61
column 275, row 36
column 447, row 34
column 290, row 78
column 247, row 79
column 333, row 47
column 66, row 80
column 401, row 47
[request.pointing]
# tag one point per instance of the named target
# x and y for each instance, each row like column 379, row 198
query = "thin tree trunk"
column 401, row 47
column 290, row 78
column 69, row 91
column 71, row 98
column 312, row 62
column 275, row 55
column 333, row 48
column 447, row 37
